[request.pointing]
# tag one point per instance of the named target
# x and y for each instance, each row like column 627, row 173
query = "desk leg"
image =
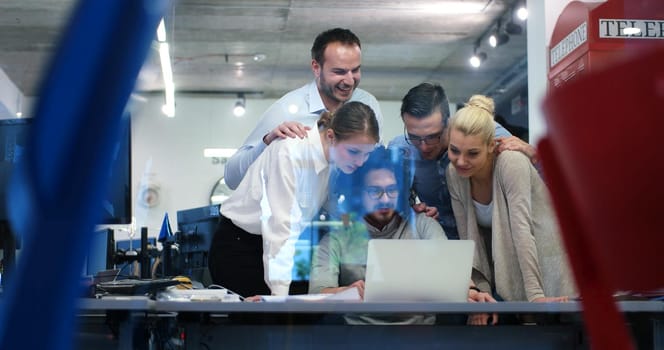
column 647, row 330
column 658, row 333
column 130, row 328
column 192, row 328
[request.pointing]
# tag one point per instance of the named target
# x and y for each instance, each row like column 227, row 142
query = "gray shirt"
column 341, row 259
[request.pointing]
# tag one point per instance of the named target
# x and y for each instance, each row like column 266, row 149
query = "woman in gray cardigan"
column 500, row 202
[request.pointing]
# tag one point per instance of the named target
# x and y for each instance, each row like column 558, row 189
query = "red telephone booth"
column 601, row 154
column 589, row 36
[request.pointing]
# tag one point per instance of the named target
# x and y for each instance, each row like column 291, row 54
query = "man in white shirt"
column 336, row 58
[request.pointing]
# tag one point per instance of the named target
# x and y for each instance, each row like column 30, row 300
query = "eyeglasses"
column 432, row 139
column 376, row 192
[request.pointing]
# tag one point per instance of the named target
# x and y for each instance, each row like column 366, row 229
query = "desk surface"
column 137, row 303
column 414, row 307
column 132, row 303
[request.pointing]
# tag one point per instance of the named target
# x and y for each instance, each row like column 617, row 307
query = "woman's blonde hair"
column 476, row 118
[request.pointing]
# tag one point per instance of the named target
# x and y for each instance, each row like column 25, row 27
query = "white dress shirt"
column 282, row 191
column 303, row 105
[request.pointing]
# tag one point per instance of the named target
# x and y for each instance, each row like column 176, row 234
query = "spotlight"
column 477, row 59
column 239, row 108
column 497, row 38
column 522, row 13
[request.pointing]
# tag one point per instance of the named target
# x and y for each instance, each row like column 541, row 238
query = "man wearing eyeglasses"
column 425, row 113
column 340, row 261
column 379, row 208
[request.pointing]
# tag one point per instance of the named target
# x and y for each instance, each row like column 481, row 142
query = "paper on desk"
column 174, row 294
column 286, row 298
column 350, row 294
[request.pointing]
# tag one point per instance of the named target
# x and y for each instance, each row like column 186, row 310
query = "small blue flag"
column 165, row 231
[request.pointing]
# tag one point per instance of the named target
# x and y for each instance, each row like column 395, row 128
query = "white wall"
column 168, row 152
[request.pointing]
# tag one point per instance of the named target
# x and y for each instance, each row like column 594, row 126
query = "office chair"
column 603, row 163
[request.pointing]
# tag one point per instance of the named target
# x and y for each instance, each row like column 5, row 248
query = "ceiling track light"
column 521, row 11
column 477, row 58
column 498, row 37
column 240, row 105
column 513, row 28
column 498, row 34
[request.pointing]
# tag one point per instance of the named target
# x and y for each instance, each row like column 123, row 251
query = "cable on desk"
column 216, row 286
column 120, row 271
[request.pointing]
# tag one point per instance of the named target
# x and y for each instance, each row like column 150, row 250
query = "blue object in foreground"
column 62, row 175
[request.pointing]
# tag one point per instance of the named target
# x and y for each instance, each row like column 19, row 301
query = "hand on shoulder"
column 290, row 129
column 513, row 143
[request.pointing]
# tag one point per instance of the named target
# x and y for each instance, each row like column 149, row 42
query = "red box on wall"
column 589, row 36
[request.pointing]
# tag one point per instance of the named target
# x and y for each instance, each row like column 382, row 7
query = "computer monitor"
column 195, row 229
column 100, row 252
column 116, row 205
column 13, row 141
column 14, row 135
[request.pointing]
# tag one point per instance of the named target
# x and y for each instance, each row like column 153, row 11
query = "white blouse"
column 282, row 191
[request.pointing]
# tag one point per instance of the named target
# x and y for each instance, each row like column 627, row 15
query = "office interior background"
column 254, row 51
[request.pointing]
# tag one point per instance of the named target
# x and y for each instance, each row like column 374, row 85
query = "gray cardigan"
column 526, row 253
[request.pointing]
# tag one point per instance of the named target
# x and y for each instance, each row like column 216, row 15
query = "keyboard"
column 135, row 286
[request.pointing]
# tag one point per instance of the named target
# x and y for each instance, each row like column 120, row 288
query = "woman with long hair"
column 253, row 247
column 500, row 202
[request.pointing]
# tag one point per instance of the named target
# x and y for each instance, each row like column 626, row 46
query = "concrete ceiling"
column 403, row 43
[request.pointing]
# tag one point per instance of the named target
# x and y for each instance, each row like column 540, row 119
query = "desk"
column 414, row 307
column 133, row 303
column 141, row 323
column 208, row 325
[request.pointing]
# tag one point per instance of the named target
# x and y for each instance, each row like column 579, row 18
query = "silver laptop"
column 418, row 270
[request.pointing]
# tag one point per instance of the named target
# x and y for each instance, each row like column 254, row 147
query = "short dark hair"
column 344, row 36
column 389, row 159
column 424, row 99
column 383, row 158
